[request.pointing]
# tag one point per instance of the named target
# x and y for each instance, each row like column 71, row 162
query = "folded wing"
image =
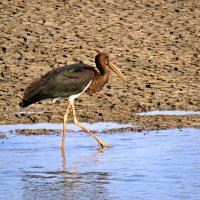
column 61, row 82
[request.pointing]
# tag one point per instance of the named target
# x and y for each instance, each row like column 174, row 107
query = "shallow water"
column 146, row 165
column 99, row 126
column 169, row 112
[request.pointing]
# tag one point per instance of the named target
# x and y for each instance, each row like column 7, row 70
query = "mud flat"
column 156, row 45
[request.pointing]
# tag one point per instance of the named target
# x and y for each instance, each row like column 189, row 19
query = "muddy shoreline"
column 155, row 44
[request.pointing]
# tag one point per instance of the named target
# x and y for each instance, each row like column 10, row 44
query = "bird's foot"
column 103, row 144
column 100, row 150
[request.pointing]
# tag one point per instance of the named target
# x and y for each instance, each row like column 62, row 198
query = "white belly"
column 72, row 97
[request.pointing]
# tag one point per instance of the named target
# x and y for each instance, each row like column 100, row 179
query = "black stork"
column 71, row 81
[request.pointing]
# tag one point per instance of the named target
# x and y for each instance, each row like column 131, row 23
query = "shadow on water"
column 148, row 165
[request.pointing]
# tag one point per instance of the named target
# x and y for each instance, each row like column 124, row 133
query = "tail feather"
column 33, row 93
column 26, row 102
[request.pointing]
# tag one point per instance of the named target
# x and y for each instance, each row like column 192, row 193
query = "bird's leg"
column 64, row 127
column 100, row 142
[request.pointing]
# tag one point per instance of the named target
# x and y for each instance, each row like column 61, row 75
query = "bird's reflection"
column 68, row 183
column 92, row 156
column 64, row 161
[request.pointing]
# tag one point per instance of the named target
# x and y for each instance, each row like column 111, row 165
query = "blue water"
column 169, row 112
column 148, row 165
column 99, row 126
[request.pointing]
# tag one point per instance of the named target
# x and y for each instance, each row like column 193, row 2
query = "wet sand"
column 155, row 44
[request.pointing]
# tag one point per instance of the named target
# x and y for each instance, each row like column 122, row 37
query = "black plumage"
column 61, row 82
column 70, row 81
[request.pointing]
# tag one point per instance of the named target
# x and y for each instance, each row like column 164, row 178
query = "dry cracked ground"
column 155, row 43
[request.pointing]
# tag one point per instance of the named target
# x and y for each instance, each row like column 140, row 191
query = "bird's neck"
column 99, row 80
column 104, row 73
column 103, row 69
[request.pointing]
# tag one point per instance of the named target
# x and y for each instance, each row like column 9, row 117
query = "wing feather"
column 67, row 83
column 61, row 82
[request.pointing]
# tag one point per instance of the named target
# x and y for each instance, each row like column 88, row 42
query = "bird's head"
column 102, row 59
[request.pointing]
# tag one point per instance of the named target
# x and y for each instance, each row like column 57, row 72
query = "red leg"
column 64, row 127
column 100, row 142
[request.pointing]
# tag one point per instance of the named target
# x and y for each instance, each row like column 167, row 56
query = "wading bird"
column 71, row 81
